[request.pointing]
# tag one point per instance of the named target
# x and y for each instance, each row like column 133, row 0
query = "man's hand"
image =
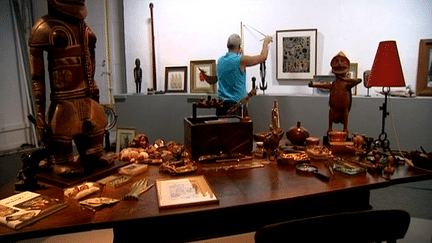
column 268, row 39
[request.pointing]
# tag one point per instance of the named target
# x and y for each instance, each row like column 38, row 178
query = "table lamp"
column 386, row 72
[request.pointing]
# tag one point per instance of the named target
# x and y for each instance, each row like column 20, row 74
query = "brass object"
column 292, row 158
column 272, row 138
column 312, row 141
column 297, row 134
column 318, row 152
column 337, row 136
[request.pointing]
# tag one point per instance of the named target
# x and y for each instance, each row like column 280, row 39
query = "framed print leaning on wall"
column 296, row 54
column 175, row 79
column 352, row 73
column 198, row 83
column 124, row 137
column 424, row 69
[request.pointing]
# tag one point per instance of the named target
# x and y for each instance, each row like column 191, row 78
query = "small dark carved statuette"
column 26, row 179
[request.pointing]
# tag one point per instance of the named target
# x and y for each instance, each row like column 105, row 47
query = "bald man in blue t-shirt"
column 231, row 72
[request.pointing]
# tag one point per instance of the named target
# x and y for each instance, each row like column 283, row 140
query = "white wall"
column 96, row 21
column 14, row 126
column 195, row 30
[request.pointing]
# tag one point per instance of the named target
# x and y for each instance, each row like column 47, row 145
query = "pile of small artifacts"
column 171, row 156
column 301, row 148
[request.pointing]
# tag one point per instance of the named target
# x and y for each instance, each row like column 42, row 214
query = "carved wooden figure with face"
column 340, row 91
column 74, row 113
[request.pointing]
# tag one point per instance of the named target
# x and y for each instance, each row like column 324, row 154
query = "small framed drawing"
column 296, row 54
column 187, row 191
column 424, row 69
column 124, row 138
column 198, row 83
column 352, row 73
column 176, row 79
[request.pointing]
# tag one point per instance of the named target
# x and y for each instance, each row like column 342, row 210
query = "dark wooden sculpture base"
column 92, row 175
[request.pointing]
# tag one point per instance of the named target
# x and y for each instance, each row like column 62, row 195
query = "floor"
column 416, row 198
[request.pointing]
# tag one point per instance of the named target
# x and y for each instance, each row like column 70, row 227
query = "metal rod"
column 108, row 56
column 153, row 47
column 242, row 37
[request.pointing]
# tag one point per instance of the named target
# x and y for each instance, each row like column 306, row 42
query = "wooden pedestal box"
column 212, row 135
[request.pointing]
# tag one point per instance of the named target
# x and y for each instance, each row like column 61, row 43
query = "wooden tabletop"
column 248, row 199
column 405, row 173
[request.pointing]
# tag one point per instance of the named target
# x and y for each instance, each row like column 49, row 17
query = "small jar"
column 312, row 141
column 259, row 152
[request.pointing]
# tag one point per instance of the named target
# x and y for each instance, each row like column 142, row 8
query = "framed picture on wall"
column 424, row 69
column 352, row 73
column 175, row 79
column 198, row 83
column 124, row 138
column 296, row 54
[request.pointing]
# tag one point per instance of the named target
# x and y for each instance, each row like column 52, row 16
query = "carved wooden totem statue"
column 74, row 113
column 138, row 75
column 340, row 91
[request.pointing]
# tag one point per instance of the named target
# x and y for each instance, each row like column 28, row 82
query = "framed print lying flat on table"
column 296, row 54
column 186, row 191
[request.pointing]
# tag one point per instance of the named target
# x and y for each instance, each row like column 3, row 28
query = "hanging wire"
column 250, row 27
column 394, row 128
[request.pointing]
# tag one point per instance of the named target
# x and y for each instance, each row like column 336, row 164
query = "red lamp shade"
column 386, row 69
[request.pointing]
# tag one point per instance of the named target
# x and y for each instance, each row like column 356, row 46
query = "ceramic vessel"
column 297, row 134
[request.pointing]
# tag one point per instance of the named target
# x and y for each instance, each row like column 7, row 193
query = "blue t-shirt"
column 231, row 80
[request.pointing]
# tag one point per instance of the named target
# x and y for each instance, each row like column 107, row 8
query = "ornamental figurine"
column 272, row 138
column 74, row 113
column 340, row 92
column 138, row 75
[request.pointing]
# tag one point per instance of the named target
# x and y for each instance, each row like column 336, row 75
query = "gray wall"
column 158, row 116
column 161, row 116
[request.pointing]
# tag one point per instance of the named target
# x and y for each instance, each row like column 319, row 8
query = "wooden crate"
column 210, row 135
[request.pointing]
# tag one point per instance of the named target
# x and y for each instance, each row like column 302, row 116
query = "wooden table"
column 248, row 199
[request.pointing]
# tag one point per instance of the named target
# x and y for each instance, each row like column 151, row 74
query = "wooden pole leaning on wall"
column 153, row 48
